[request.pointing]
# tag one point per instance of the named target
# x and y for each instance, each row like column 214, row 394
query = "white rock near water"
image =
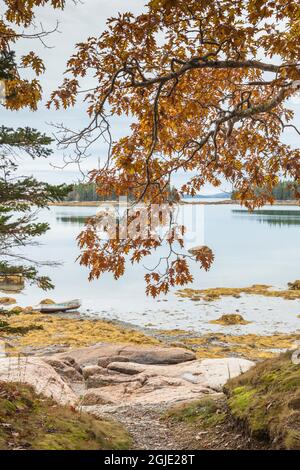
column 96, row 379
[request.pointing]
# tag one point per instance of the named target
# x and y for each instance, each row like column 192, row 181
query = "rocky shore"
column 27, row 332
column 124, row 382
column 162, row 397
column 110, row 376
column 164, row 388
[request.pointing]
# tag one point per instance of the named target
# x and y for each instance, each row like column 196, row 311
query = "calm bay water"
column 262, row 247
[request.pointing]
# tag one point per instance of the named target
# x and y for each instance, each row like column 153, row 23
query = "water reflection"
column 246, row 253
column 271, row 216
column 72, row 219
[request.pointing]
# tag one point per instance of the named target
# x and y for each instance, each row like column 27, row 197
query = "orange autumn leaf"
column 207, row 86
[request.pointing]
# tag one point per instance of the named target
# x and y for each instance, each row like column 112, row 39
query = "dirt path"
column 146, row 427
column 151, row 432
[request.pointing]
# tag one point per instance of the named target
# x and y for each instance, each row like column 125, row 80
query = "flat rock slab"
column 104, row 353
column 94, row 378
column 218, row 371
column 212, row 373
column 40, row 375
column 153, row 384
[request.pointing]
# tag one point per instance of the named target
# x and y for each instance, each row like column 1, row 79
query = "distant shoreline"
column 230, row 201
column 197, row 202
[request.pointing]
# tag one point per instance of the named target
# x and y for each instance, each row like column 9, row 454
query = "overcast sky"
column 76, row 23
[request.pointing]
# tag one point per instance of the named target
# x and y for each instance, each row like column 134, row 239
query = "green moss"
column 269, row 378
column 205, row 413
column 241, row 400
column 266, row 399
column 35, row 422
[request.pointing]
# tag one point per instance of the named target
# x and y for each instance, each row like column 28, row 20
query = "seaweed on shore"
column 5, row 327
column 292, row 293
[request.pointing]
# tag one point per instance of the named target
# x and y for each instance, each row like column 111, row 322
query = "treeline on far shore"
column 84, row 192
column 81, row 192
column 286, row 190
column 283, row 191
column 87, row 192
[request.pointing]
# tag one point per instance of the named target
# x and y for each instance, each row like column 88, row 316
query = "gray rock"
column 157, row 355
column 71, row 374
column 55, row 363
column 190, row 378
column 129, row 368
column 71, row 362
column 92, row 370
column 107, row 352
column 66, row 368
column 149, row 375
column 95, row 397
column 104, row 361
column 168, row 384
column 52, row 349
column 104, row 380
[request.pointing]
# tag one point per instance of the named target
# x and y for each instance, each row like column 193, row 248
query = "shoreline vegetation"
column 33, row 421
column 195, row 202
column 283, row 193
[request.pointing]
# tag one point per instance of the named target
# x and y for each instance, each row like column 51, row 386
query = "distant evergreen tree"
column 20, row 197
column 283, row 191
column 88, row 192
column 83, row 192
column 286, row 190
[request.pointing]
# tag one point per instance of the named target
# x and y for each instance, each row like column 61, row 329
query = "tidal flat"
column 31, row 333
